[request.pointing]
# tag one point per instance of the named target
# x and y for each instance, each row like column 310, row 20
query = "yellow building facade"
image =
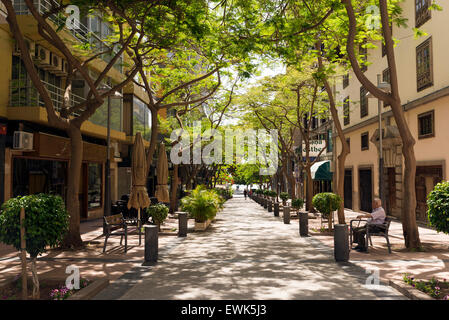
column 423, row 76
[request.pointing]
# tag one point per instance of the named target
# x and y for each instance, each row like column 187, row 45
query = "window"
column 426, row 125
column 422, row 12
column 424, row 65
column 330, row 146
column 141, row 119
column 365, row 141
column 348, row 141
column 363, row 102
column 94, row 179
column 386, row 78
column 363, row 51
column 346, row 80
column 346, row 112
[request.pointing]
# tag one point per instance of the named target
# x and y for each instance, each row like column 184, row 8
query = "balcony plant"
column 158, row 213
column 284, row 197
column 46, row 224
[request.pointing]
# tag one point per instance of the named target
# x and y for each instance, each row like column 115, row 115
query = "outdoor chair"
column 115, row 225
column 380, row 231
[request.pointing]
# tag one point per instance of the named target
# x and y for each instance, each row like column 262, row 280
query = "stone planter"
column 202, row 226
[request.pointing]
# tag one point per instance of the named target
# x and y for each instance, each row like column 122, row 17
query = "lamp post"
column 107, row 187
column 384, row 86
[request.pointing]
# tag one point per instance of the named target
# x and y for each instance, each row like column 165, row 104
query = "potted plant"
column 202, row 205
column 284, row 197
column 158, row 213
column 46, row 223
column 326, row 203
column 297, row 203
column 438, row 207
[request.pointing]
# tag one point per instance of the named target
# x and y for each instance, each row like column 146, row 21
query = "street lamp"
column 107, row 188
column 386, row 87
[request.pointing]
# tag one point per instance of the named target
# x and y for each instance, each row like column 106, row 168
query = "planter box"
column 90, row 291
column 201, row 226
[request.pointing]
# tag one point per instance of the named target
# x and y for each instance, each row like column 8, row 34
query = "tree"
column 72, row 116
column 46, row 223
column 409, row 226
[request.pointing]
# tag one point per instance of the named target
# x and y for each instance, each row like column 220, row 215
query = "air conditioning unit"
column 42, row 56
column 55, row 63
column 23, row 140
column 62, row 71
column 31, row 47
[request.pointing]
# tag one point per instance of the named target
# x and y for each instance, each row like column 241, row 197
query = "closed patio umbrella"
column 162, row 175
column 139, row 195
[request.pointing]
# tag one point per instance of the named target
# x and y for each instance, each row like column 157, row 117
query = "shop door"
column 391, row 196
column 83, row 192
column 426, row 179
column 348, row 189
column 365, row 189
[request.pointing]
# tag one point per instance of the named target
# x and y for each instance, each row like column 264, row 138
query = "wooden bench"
column 115, row 225
column 382, row 231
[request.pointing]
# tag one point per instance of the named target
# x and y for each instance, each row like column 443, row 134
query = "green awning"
column 321, row 170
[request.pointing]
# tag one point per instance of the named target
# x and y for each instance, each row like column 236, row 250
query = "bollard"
column 276, row 209
column 182, row 224
column 270, row 206
column 151, row 243
column 265, row 203
column 303, row 224
column 287, row 215
column 341, row 242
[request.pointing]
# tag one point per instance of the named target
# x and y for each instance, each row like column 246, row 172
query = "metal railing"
column 24, row 94
column 80, row 31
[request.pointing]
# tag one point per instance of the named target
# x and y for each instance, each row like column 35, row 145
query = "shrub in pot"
column 46, row 223
column 284, row 197
column 201, row 204
column 297, row 203
column 326, row 203
column 158, row 213
column 438, row 207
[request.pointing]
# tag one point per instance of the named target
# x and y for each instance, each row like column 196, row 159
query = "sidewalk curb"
column 91, row 290
column 409, row 291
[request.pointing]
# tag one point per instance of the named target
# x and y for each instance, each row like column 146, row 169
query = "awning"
column 321, row 170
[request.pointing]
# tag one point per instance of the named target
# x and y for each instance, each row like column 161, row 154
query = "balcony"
column 81, row 31
column 23, row 94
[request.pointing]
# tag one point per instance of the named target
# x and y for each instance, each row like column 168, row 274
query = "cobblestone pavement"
column 247, row 254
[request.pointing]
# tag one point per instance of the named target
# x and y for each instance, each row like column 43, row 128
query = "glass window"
column 141, row 118
column 363, row 102
column 365, row 141
column 94, row 179
column 346, row 112
column 424, row 68
column 426, row 126
column 422, row 12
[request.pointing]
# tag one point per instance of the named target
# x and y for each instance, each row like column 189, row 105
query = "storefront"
column 45, row 170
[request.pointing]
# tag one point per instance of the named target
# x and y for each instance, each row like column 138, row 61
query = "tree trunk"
column 36, row 292
column 309, row 189
column 174, row 191
column 73, row 237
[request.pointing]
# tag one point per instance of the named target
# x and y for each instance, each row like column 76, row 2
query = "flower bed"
column 50, row 289
column 435, row 288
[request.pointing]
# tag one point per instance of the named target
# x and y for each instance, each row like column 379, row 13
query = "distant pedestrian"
column 245, row 193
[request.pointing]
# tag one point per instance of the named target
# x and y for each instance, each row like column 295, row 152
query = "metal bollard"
column 182, row 224
column 276, row 209
column 270, row 206
column 287, row 215
column 303, row 224
column 265, row 203
column 151, row 243
column 341, row 242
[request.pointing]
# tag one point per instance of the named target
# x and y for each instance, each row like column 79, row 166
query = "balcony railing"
column 23, row 94
column 80, row 31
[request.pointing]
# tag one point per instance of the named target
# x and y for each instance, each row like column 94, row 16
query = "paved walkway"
column 247, row 254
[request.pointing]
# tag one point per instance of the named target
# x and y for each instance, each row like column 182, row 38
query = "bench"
column 382, row 231
column 115, row 225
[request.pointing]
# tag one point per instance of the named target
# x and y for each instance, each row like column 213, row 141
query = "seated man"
column 377, row 217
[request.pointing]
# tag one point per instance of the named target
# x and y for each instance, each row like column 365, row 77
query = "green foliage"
column 202, row 204
column 432, row 287
column 272, row 193
column 259, row 192
column 46, row 222
column 438, row 207
column 226, row 194
column 158, row 213
column 284, row 196
column 326, row 202
column 297, row 203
